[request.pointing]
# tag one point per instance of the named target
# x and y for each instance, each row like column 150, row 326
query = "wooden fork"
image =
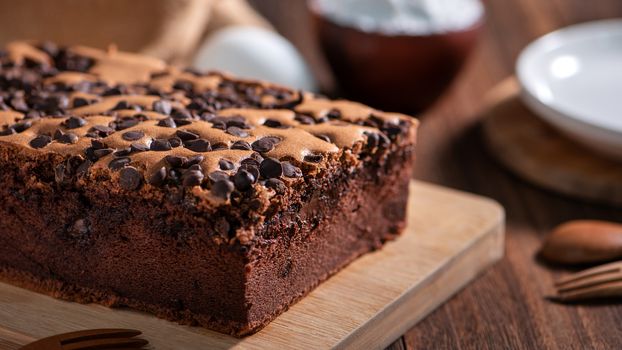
column 91, row 339
column 604, row 281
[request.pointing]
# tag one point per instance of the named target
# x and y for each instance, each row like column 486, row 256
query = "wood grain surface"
column 505, row 308
column 450, row 238
column 537, row 152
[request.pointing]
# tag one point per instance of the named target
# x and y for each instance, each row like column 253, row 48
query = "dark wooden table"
column 504, row 308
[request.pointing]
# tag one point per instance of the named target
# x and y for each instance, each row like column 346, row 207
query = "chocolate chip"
column 262, row 145
column 98, row 144
column 160, row 145
column 21, row 126
column 219, row 146
column 74, row 122
column 80, row 102
column 175, row 142
column 121, row 105
column 99, row 153
column 271, row 168
column 252, row 161
column 304, row 119
column 162, row 107
column 192, row 178
column 243, row 180
column 126, row 123
column 138, row 147
column 8, row 131
column 271, row 123
column 118, row 163
column 183, row 85
column 167, row 123
column 68, row 138
column 101, row 130
column 290, row 170
column 217, row 124
column 252, row 169
column 334, row 114
column 242, row 145
column 313, row 158
column 133, row 135
column 182, row 122
column 323, row 137
column 176, row 161
column 222, row 188
column 277, row 185
column 195, row 167
column 218, row 176
column 181, row 114
column 186, row 135
column 372, row 140
column 123, row 152
column 225, row 164
column 200, row 145
column 130, row 178
column 40, row 141
column 194, row 160
column 158, row 177
column 58, row 133
column 236, row 131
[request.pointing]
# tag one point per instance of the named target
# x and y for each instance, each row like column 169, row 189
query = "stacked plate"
column 572, row 78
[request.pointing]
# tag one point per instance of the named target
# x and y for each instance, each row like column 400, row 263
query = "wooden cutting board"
column 451, row 237
column 537, row 152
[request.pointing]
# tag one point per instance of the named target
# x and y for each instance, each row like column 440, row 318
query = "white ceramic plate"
column 572, row 78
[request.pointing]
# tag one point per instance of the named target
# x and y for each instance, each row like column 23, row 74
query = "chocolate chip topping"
column 176, row 161
column 271, row 168
column 162, row 107
column 225, row 164
column 263, row 145
column 119, row 163
column 133, row 135
column 218, row 176
column 130, row 178
column 200, row 145
column 40, row 141
column 222, row 188
column 186, row 135
column 160, row 145
column 158, row 177
column 235, row 131
column 167, row 123
column 192, row 178
column 155, row 117
column 290, row 170
column 243, row 180
column 242, row 145
column 74, row 122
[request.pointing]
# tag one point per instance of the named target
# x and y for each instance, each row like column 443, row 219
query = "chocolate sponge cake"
column 197, row 197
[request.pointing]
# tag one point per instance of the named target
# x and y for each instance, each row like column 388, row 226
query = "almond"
column 583, row 241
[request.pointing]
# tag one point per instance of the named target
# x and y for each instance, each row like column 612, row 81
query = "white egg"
column 252, row 52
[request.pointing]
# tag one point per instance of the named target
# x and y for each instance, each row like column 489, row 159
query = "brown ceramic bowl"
column 404, row 73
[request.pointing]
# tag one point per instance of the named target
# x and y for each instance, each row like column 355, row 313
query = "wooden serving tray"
column 537, row 152
column 451, row 237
